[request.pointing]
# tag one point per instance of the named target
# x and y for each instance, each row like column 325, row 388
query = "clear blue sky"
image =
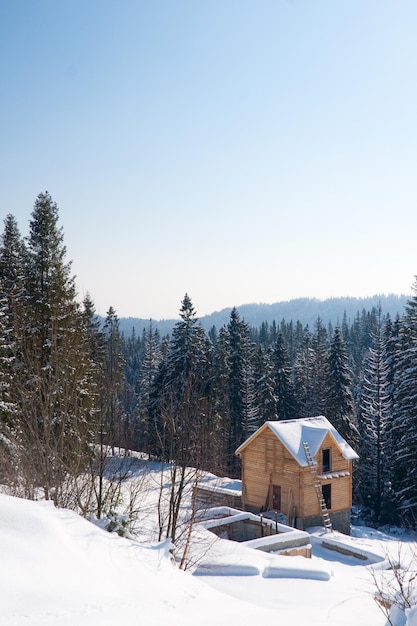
column 238, row 150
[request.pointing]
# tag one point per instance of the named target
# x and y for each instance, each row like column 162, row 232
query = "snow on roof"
column 313, row 430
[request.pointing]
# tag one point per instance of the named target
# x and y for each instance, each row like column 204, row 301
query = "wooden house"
column 301, row 467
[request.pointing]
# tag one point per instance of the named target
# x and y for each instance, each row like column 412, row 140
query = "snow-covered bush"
column 396, row 589
column 113, row 522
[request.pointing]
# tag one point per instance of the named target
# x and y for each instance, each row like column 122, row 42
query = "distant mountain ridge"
column 304, row 310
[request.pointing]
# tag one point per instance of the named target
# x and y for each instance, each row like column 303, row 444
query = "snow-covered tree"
column 403, row 431
column 304, row 377
column 152, row 356
column 340, row 408
column 54, row 402
column 264, row 385
column 7, row 406
column 250, row 415
column 180, row 412
column 238, row 390
column 319, row 371
column 373, row 417
column 286, row 403
column 13, row 258
column 113, row 381
column 178, row 406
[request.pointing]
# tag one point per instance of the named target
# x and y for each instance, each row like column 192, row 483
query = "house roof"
column 313, row 430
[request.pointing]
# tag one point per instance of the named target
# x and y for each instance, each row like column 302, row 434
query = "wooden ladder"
column 317, row 484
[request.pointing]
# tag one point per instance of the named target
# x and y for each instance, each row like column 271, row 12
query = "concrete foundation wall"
column 211, row 497
column 340, row 521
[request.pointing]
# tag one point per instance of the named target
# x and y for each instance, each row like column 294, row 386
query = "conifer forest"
column 73, row 385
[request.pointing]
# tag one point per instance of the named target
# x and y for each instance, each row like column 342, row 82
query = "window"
column 326, row 460
column 327, row 495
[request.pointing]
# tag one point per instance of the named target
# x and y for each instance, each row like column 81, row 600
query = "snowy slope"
column 59, row 569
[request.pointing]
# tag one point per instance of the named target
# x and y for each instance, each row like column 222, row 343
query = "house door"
column 276, row 497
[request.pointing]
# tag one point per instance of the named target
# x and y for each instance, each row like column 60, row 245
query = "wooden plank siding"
column 266, row 462
column 341, row 495
column 338, row 463
column 256, row 473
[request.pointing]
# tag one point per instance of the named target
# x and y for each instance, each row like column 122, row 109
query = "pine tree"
column 179, row 398
column 304, row 377
column 180, row 407
column 286, row 403
column 372, row 423
column 264, row 335
column 392, row 343
column 13, row 259
column 133, row 356
column 113, row 380
column 238, row 333
column 94, row 336
column 94, row 348
column 403, row 430
column 265, row 398
column 50, row 288
column 319, row 371
column 250, row 415
column 152, row 357
column 54, row 399
column 340, row 408
column 7, row 406
column 186, row 351
column 220, row 400
column 12, row 300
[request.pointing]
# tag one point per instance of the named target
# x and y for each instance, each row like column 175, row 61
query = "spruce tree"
column 186, row 352
column 94, row 348
column 319, row 371
column 12, row 302
column 152, row 356
column 7, row 405
column 180, row 407
column 340, row 408
column 286, row 403
column 403, row 430
column 133, row 356
column 392, row 343
column 50, row 287
column 250, row 415
column 54, row 401
column 238, row 333
column 265, row 398
column 113, row 381
column 304, row 377
column 13, row 260
column 220, row 400
column 180, row 392
column 373, row 417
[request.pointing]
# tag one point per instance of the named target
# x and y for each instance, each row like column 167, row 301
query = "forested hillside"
column 68, row 381
column 304, row 310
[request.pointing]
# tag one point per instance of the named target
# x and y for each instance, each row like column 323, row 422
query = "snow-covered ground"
column 59, row 569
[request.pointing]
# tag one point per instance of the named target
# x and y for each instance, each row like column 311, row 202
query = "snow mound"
column 216, row 568
column 229, row 558
column 57, row 569
column 296, row 567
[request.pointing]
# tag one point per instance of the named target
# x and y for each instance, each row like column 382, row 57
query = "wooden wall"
column 266, row 462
